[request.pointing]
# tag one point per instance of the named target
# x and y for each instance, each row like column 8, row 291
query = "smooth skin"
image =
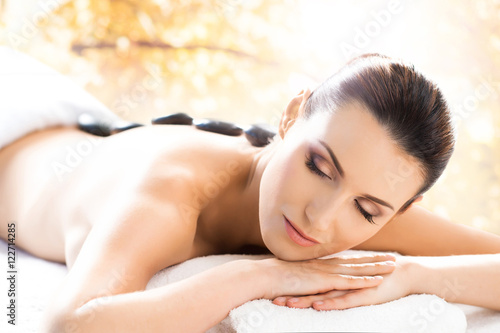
column 154, row 196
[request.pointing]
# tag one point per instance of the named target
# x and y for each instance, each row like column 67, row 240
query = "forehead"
column 372, row 161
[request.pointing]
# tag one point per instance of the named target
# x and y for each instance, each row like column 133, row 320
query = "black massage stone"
column 123, row 126
column 258, row 135
column 173, row 119
column 91, row 125
column 220, row 127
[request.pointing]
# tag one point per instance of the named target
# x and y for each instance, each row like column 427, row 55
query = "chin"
column 287, row 256
column 277, row 241
column 284, row 249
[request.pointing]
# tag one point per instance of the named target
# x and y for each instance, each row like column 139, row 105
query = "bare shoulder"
column 135, row 233
column 150, row 180
column 139, row 205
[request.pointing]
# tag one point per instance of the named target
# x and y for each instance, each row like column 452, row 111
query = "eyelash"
column 365, row 214
column 312, row 166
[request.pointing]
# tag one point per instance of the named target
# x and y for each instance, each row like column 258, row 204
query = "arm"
column 468, row 279
column 456, row 277
column 104, row 290
column 203, row 300
column 191, row 305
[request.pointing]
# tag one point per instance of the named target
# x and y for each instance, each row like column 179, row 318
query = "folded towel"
column 414, row 313
column 38, row 280
column 34, row 97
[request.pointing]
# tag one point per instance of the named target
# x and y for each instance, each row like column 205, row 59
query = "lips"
column 297, row 235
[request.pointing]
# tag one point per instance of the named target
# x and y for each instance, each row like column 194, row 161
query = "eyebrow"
column 341, row 172
column 334, row 159
column 377, row 200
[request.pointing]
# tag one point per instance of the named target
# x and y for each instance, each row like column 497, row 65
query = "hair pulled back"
column 408, row 106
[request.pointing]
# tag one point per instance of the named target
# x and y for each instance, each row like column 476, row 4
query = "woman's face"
column 333, row 182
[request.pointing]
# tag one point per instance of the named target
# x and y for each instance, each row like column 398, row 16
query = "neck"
column 232, row 219
column 248, row 201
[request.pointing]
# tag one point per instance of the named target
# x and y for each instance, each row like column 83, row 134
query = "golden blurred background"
column 242, row 60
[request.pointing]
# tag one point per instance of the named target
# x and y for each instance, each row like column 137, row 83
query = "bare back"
column 57, row 184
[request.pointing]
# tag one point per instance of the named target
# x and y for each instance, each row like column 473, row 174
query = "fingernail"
column 319, row 303
column 293, row 300
column 280, row 299
column 378, row 277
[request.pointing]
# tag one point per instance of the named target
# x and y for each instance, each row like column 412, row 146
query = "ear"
column 294, row 109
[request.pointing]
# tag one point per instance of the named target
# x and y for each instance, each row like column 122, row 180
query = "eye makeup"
column 312, row 166
column 363, row 212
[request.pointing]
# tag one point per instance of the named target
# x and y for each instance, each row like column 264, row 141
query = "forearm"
column 191, row 305
column 201, row 301
column 468, row 279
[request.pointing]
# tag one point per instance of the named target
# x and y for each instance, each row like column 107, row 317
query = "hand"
column 393, row 286
column 336, row 275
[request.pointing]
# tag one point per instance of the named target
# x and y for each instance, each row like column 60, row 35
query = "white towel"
column 34, row 96
column 414, row 313
column 38, row 280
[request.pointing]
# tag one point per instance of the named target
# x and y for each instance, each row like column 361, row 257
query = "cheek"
column 356, row 232
column 274, row 183
column 349, row 229
column 283, row 181
column 278, row 193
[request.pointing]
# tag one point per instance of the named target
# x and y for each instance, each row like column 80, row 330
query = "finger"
column 306, row 301
column 359, row 259
column 345, row 282
column 376, row 268
column 347, row 301
column 281, row 300
column 358, row 269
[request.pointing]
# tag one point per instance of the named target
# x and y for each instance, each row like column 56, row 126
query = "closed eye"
column 314, row 168
column 363, row 212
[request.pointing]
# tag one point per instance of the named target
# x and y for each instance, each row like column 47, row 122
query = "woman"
column 343, row 172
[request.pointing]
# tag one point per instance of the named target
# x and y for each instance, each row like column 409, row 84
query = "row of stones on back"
column 257, row 135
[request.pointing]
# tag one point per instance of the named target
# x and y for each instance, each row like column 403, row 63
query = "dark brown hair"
column 410, row 107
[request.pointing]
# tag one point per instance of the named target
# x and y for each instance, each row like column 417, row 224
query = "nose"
column 322, row 212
